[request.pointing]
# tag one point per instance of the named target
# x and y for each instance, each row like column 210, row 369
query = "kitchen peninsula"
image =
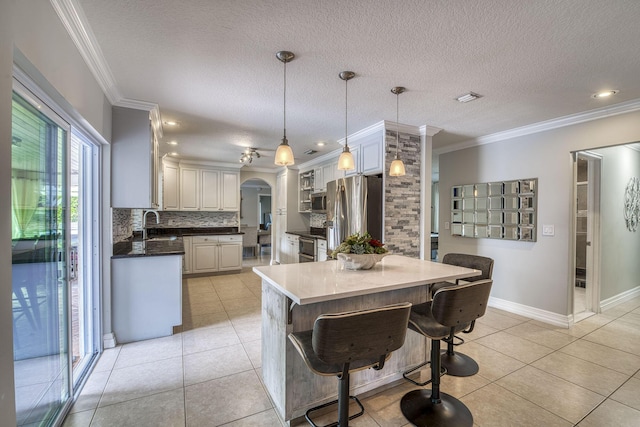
column 294, row 295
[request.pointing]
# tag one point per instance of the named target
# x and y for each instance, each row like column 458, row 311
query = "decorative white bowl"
column 360, row 261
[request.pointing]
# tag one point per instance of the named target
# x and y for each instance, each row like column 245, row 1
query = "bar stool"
column 342, row 343
column 451, row 310
column 456, row 363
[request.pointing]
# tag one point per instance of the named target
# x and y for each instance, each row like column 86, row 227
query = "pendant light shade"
column 345, row 161
column 284, row 153
column 397, row 166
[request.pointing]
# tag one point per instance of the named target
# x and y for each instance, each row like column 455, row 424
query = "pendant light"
column 345, row 162
column 284, row 153
column 397, row 167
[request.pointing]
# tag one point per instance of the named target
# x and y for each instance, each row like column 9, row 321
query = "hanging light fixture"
column 397, row 167
column 284, row 153
column 345, row 161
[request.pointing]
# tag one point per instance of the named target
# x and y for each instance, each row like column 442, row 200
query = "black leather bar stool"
column 342, row 343
column 450, row 311
column 458, row 364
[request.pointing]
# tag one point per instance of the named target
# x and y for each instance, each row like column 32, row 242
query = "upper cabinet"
column 305, row 188
column 368, row 156
column 170, row 201
column 134, row 160
column 208, row 189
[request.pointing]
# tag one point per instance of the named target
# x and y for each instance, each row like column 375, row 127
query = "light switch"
column 446, row 225
column 548, row 230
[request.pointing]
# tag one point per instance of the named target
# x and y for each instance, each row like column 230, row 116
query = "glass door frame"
column 25, row 85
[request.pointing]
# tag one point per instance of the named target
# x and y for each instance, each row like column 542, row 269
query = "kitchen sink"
column 162, row 238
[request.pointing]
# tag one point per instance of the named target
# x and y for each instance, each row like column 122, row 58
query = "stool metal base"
column 418, row 407
column 458, row 364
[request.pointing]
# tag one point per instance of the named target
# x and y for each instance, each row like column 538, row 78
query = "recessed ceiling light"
column 170, row 123
column 174, row 154
column 320, row 144
column 172, row 142
column 470, row 96
column 604, row 94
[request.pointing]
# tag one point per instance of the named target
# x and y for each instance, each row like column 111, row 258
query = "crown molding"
column 426, row 130
column 75, row 22
column 572, row 119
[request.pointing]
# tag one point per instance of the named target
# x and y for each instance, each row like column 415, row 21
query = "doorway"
column 255, row 222
column 586, row 284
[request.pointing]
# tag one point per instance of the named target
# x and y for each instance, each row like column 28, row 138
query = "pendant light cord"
column 345, row 112
column 397, row 121
column 285, row 101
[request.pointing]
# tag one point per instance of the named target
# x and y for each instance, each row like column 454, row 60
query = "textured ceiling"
column 211, row 65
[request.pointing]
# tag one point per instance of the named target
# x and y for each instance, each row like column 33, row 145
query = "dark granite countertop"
column 136, row 247
column 191, row 231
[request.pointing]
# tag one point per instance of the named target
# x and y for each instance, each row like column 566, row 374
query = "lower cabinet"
column 210, row 254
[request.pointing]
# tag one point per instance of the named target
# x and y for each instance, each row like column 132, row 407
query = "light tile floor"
column 531, row 373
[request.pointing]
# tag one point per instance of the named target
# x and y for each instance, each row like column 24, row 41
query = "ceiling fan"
column 249, row 153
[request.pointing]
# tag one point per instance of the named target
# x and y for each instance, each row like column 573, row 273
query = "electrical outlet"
column 446, row 225
column 548, row 230
column 172, row 222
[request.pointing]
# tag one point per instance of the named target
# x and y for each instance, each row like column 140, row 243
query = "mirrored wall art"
column 495, row 210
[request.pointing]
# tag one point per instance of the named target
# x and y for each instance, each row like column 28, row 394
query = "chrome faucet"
column 144, row 222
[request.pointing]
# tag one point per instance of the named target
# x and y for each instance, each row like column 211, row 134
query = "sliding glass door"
column 39, row 205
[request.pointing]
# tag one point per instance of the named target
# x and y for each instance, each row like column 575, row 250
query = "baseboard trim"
column 109, row 340
column 555, row 319
column 619, row 299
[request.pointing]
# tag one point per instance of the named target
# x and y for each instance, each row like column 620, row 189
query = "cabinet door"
column 186, row 264
column 230, row 191
column 205, row 257
column 319, row 184
column 189, row 186
column 170, row 187
column 210, row 194
column 230, row 257
column 371, row 157
column 328, row 174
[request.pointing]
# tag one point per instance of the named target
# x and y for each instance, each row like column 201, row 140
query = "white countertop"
column 312, row 282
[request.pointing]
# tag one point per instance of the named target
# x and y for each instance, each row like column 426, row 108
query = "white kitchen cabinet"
column 186, row 261
column 368, row 156
column 146, row 296
column 305, row 188
column 189, row 185
column 329, row 173
column 286, row 216
column 170, row 179
column 134, row 160
column 291, row 249
column 230, row 253
column 211, row 254
column 205, row 254
column 206, row 189
column 321, row 249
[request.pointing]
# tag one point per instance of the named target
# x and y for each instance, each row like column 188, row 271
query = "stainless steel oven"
column 307, row 249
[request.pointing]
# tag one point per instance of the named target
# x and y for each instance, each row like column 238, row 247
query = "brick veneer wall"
column 402, row 196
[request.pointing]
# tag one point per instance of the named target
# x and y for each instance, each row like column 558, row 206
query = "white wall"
column 620, row 248
column 7, row 397
column 533, row 274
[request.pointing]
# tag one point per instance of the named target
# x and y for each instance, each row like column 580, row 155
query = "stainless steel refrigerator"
column 354, row 205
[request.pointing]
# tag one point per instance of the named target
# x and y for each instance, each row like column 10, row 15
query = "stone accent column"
column 402, row 196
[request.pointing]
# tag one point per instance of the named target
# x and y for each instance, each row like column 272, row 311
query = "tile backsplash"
column 126, row 221
column 317, row 220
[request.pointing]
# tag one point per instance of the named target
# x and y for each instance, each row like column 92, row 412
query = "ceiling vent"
column 310, row 152
column 467, row 97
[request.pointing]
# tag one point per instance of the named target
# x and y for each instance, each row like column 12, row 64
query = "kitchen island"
column 294, row 295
